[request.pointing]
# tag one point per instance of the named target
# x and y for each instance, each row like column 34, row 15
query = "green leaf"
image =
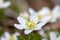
column 58, row 31
column 1, row 32
column 21, row 37
column 31, row 36
column 2, row 16
column 5, row 0
column 47, row 34
column 34, row 36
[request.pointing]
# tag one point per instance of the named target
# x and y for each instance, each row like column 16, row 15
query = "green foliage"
column 12, row 29
column 1, row 32
column 5, row 0
column 22, row 37
column 2, row 16
column 58, row 31
column 31, row 36
column 15, row 8
column 47, row 34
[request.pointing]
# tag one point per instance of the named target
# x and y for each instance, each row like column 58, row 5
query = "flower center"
column 11, row 37
column 31, row 24
column 39, row 16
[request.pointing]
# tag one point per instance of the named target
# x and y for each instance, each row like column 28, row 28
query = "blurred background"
column 8, row 16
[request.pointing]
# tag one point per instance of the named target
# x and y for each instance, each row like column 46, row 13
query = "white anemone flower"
column 53, row 36
column 43, row 35
column 8, row 36
column 4, row 4
column 42, row 15
column 46, row 14
column 55, row 13
column 29, row 25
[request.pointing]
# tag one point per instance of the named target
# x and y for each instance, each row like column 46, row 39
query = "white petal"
column 21, row 20
column 44, row 11
column 58, row 38
column 34, row 17
column 31, row 11
column 6, row 34
column 2, row 38
column 18, row 26
column 56, row 11
column 28, row 31
column 41, row 24
column 15, row 35
column 41, row 32
column 1, row 1
column 53, row 36
column 46, row 19
column 53, row 20
column 5, row 5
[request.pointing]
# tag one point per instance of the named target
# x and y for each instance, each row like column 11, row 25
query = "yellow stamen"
column 40, row 16
column 31, row 24
column 11, row 37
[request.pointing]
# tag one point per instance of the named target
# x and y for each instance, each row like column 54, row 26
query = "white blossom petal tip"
column 31, row 11
column 28, row 31
column 44, row 10
column 18, row 26
column 53, row 36
column 16, row 34
column 8, row 3
column 5, row 4
column 21, row 20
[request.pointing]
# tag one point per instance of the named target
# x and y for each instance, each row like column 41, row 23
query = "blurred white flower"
column 24, row 15
column 4, row 4
column 42, row 15
column 29, row 25
column 55, row 13
column 8, row 36
column 45, row 14
column 42, row 33
column 53, row 36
